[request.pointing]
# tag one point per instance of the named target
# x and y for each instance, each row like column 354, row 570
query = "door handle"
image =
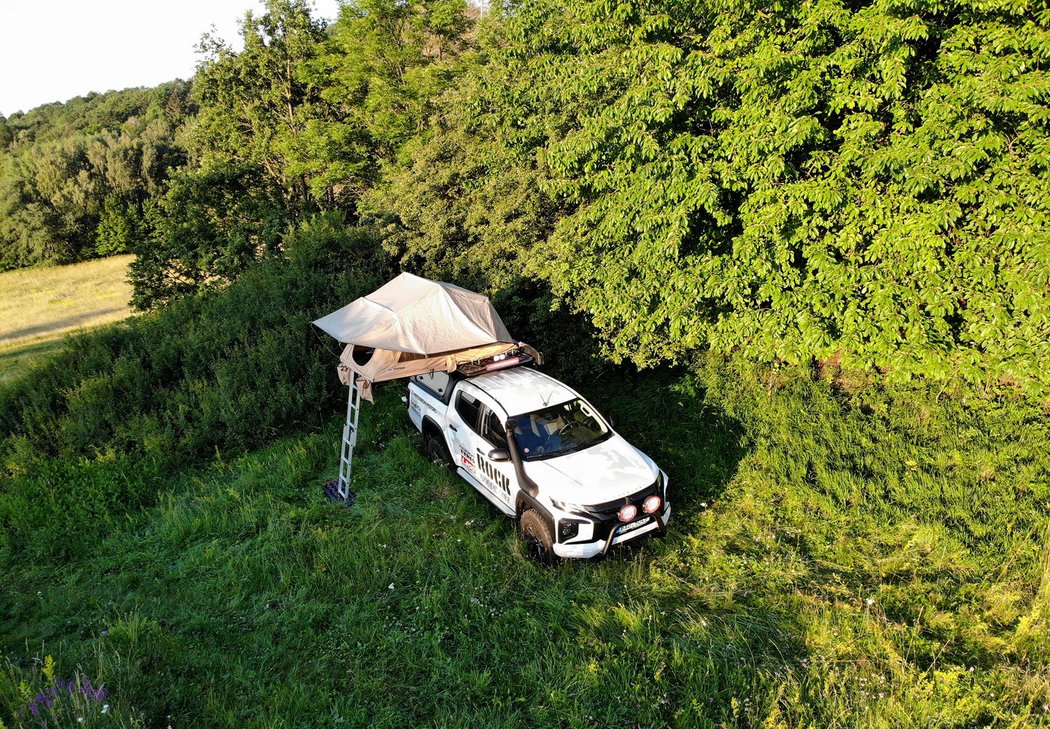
column 451, row 426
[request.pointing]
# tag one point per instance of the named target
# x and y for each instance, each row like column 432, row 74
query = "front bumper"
column 586, row 550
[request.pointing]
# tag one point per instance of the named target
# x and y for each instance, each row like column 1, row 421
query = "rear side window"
column 493, row 431
column 436, row 382
column 468, row 408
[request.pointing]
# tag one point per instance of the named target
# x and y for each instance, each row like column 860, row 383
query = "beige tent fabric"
column 415, row 326
column 417, row 315
column 386, row 364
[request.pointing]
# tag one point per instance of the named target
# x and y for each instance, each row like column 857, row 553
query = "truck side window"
column 493, row 431
column 468, row 408
column 436, row 382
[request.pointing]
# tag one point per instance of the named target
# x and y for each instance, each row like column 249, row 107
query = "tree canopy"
column 69, row 171
column 807, row 180
column 859, row 181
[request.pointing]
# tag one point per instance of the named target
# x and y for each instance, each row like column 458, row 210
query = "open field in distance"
column 40, row 306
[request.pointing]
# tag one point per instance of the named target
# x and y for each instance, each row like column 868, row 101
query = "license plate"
column 627, row 528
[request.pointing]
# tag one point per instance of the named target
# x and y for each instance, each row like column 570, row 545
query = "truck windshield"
column 558, row 429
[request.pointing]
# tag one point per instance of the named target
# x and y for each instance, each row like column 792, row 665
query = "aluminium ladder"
column 346, row 450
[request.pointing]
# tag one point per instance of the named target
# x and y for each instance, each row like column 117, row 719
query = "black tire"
column 436, row 451
column 538, row 538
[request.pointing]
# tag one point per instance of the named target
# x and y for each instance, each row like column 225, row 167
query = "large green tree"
column 297, row 122
column 241, row 189
column 796, row 181
column 382, row 65
column 254, row 104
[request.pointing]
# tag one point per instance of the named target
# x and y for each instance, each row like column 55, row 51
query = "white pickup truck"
column 540, row 452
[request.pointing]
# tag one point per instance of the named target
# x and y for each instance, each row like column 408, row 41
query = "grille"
column 610, row 508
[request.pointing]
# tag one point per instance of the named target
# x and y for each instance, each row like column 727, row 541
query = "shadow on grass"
column 715, row 654
column 58, row 325
column 17, row 358
column 665, row 414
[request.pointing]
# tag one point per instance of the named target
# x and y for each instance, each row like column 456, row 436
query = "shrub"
column 104, row 427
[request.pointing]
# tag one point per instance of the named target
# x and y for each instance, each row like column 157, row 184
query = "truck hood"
column 609, row 470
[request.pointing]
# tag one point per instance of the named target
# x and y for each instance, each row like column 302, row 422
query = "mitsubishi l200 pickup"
column 539, row 452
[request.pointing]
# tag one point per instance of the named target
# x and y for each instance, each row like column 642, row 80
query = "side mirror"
column 499, row 455
column 612, row 420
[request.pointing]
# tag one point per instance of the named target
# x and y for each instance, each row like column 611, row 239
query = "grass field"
column 877, row 580
column 841, row 555
column 40, row 306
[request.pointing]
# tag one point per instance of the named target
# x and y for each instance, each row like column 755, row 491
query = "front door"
column 497, row 476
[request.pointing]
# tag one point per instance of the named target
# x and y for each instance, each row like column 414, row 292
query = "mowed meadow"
column 41, row 306
column 841, row 553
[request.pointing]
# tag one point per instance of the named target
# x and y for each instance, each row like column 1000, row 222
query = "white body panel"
column 609, row 470
column 568, row 484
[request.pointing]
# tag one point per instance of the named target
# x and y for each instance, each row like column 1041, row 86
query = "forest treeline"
column 861, row 182
column 76, row 178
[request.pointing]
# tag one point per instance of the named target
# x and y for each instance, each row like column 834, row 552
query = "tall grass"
column 839, row 555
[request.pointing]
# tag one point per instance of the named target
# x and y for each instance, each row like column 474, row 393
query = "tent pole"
column 346, row 449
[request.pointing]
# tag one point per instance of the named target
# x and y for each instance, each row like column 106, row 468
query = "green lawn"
column 833, row 561
column 41, row 306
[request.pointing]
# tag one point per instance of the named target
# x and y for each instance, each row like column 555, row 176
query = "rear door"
column 464, row 419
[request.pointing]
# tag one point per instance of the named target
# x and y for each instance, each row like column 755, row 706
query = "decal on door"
column 466, row 459
column 499, row 482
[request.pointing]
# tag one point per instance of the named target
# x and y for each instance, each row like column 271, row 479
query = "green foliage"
column 298, row 121
column 461, row 203
column 805, row 181
column 209, row 226
column 388, row 60
column 255, row 104
column 65, row 163
column 119, row 227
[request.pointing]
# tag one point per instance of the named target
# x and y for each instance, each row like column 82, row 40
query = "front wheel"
column 538, row 538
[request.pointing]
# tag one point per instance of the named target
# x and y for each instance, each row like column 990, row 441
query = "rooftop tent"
column 417, row 315
column 411, row 326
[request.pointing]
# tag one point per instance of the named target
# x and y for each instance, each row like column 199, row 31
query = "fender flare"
column 430, row 426
column 523, row 502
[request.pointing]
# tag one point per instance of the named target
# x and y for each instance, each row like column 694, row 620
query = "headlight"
column 566, row 506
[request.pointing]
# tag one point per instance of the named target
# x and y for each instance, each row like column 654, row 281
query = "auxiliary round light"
column 651, row 505
column 628, row 512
